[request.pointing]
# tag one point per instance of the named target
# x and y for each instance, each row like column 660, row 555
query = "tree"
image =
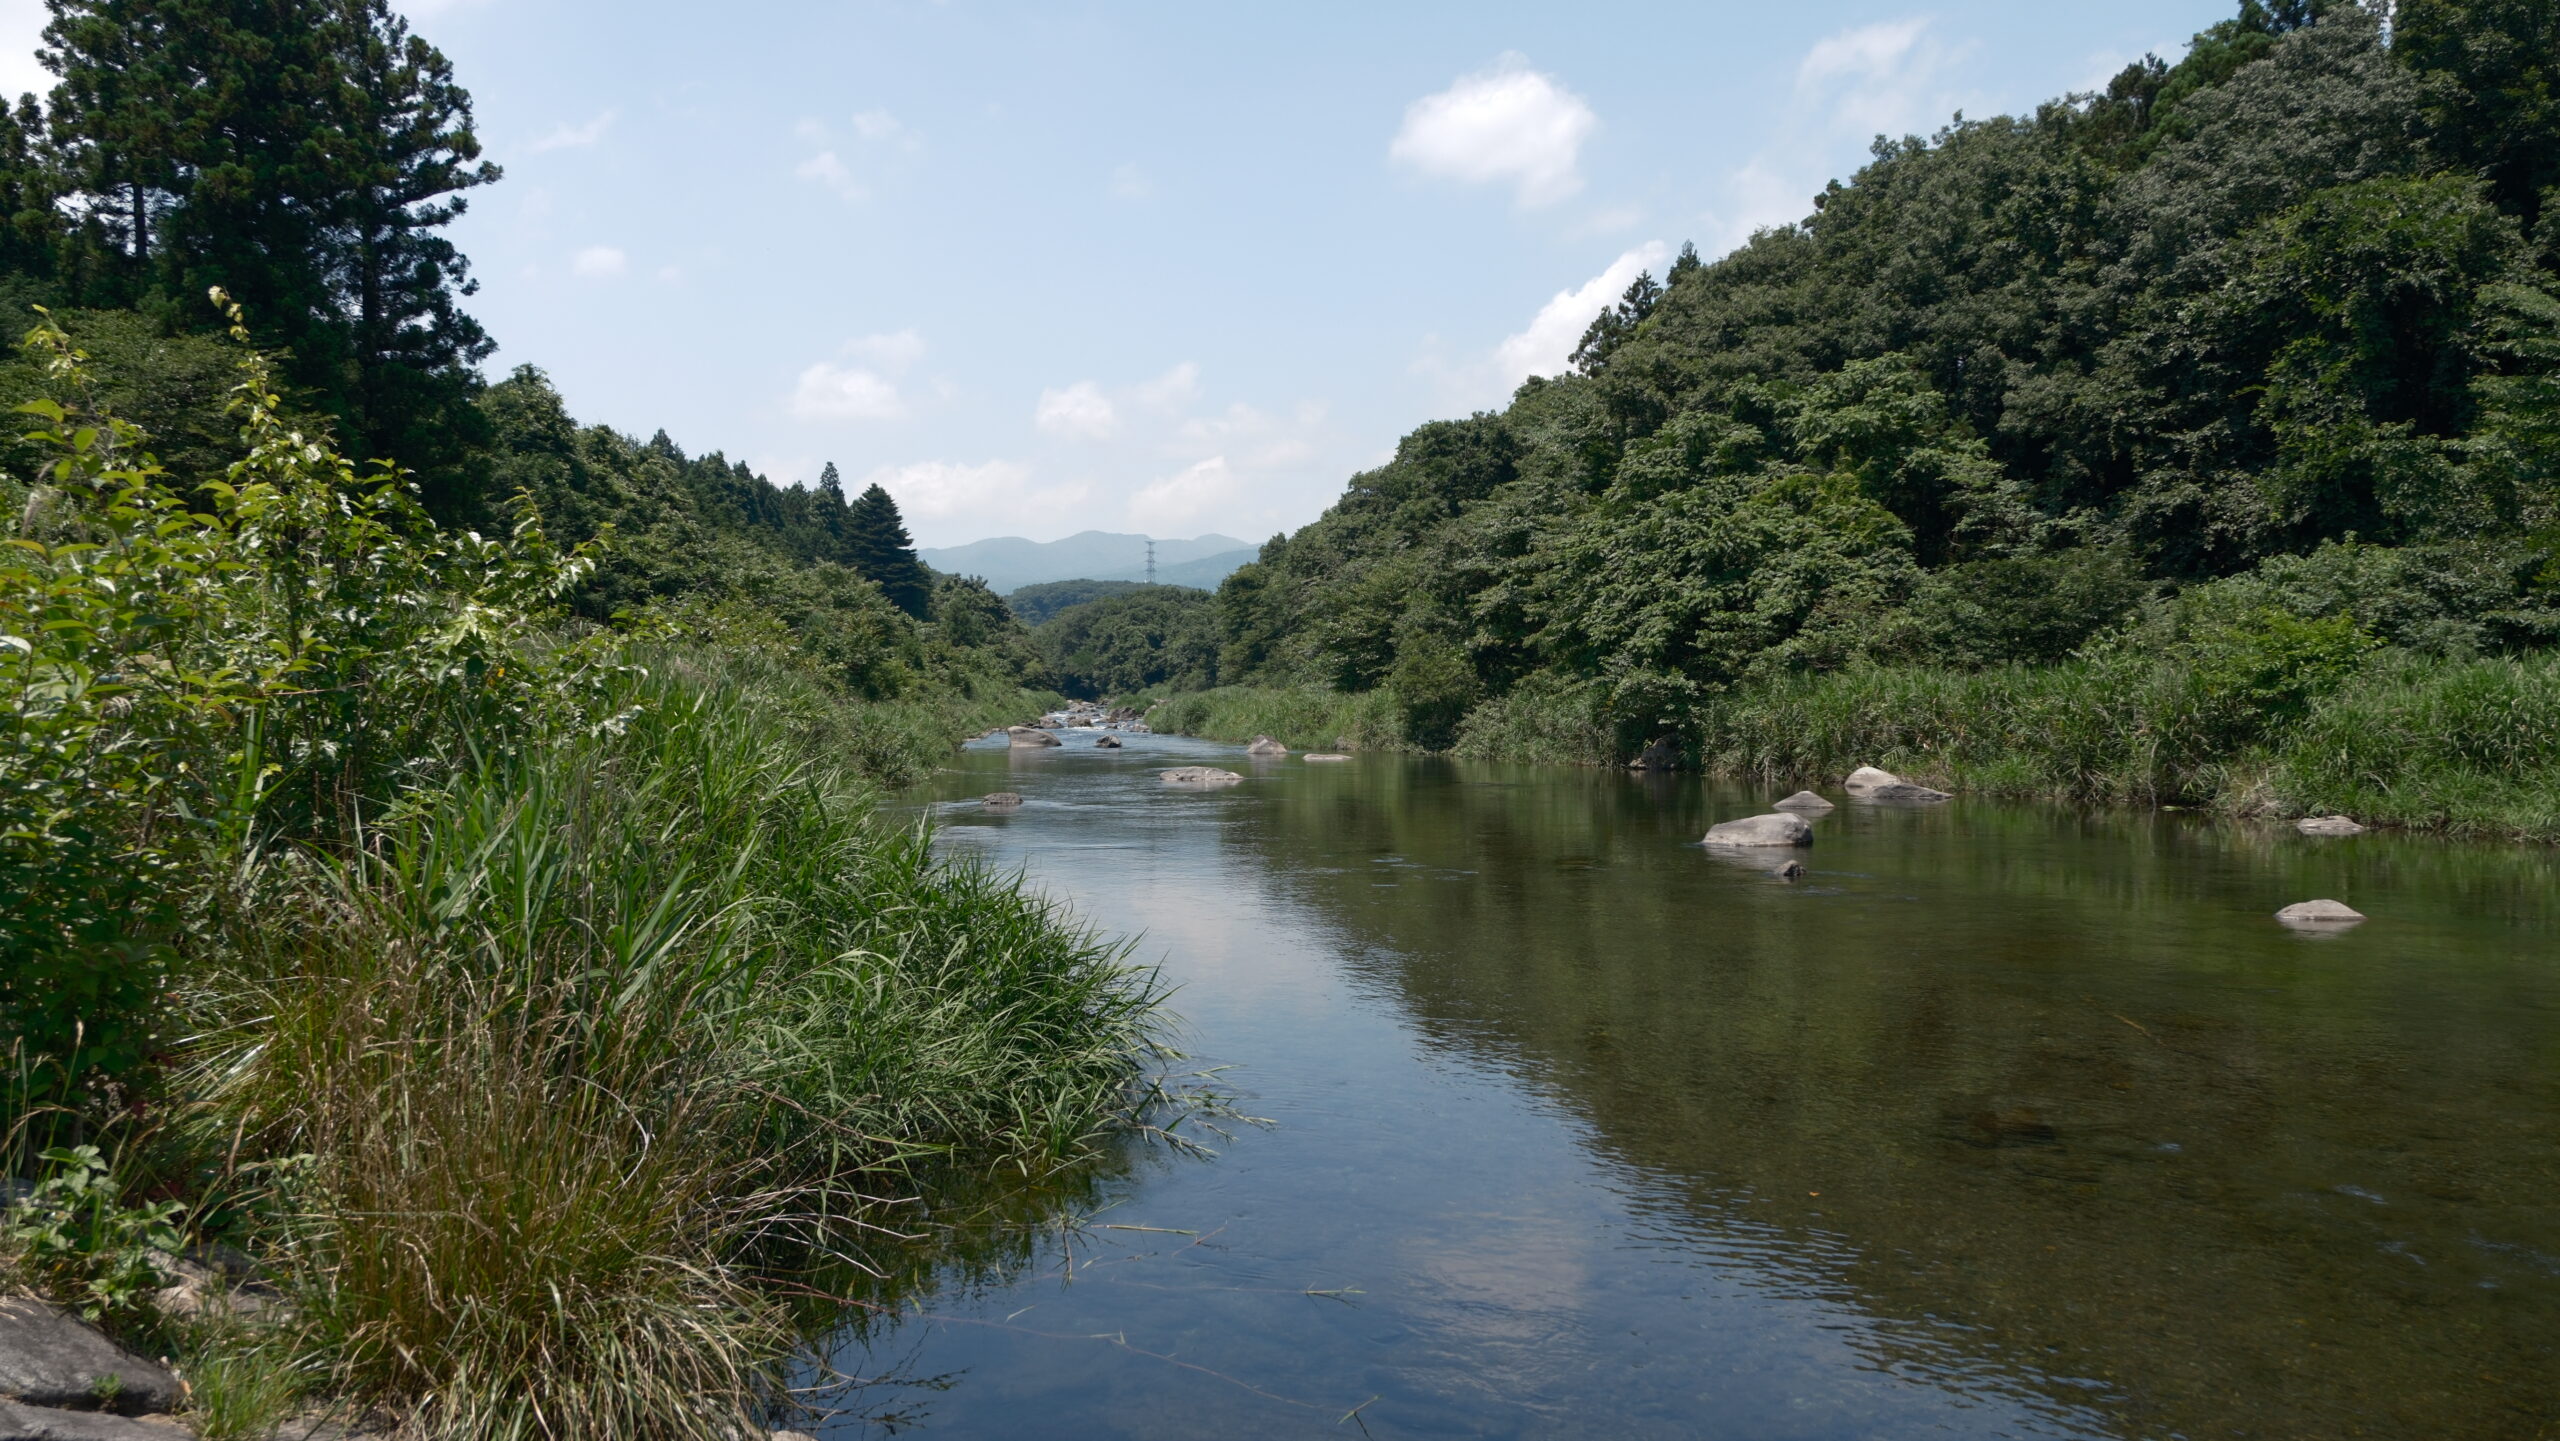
column 882, row 550
column 1611, row 327
column 2491, row 76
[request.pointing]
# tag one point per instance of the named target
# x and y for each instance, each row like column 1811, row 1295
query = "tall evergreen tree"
column 883, row 551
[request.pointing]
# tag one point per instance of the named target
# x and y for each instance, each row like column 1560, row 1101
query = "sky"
column 1173, row 268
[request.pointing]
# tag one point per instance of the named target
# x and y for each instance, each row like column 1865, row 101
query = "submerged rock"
column 1662, row 755
column 1002, row 801
column 1806, row 801
column 1265, row 746
column 2319, row 913
column 1323, row 756
column 2328, row 826
column 1031, row 736
column 1774, row 829
column 1908, row 794
column 1109, row 743
column 1867, row 779
column 49, row 1357
column 1791, row 871
column 1200, row 777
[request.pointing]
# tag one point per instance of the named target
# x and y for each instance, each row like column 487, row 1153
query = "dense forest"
column 2248, row 366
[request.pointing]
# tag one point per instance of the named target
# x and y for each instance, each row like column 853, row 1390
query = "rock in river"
column 1265, row 746
column 1662, row 755
column 1866, row 779
column 49, row 1357
column 1323, row 756
column 1806, row 801
column 2328, row 826
column 1109, row 743
column 1002, row 801
column 1031, row 736
column 1200, row 777
column 1907, row 793
column 2319, row 913
column 1791, row 871
column 1774, row 829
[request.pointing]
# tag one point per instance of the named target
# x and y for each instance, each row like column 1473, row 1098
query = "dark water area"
column 2004, row 1121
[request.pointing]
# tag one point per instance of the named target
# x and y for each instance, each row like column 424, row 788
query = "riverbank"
column 422, row 1006
column 2458, row 747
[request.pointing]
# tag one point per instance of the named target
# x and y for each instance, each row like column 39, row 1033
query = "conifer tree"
column 882, row 550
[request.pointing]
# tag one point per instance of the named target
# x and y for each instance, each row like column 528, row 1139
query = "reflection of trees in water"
column 2069, row 1101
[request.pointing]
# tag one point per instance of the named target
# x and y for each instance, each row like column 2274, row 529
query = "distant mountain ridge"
column 1008, row 562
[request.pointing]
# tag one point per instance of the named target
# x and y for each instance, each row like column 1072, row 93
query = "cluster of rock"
column 1199, row 777
column 1093, row 715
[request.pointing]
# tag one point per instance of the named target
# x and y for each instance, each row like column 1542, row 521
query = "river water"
column 2005, row 1120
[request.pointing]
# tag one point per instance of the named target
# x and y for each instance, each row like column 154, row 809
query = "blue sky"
column 1041, row 268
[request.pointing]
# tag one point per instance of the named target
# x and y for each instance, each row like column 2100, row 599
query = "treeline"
column 2248, row 367
column 308, row 156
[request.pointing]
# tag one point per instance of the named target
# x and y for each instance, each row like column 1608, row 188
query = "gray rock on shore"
column 1200, row 777
column 51, row 1358
column 1775, row 829
column 1807, row 802
column 2319, row 913
column 2328, row 826
column 1662, row 755
column 1031, row 736
column 1265, row 746
column 36, row 1423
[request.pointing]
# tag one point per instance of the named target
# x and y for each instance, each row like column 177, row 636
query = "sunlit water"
column 2004, row 1121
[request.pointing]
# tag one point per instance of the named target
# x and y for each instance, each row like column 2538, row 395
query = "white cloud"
column 827, row 391
column 599, row 262
column 1080, row 411
column 1128, row 182
column 877, row 126
column 946, row 502
column 1870, row 52
column 1507, row 124
column 1546, row 346
column 827, row 170
column 1206, row 493
column 568, row 137
column 891, row 350
column 1175, row 387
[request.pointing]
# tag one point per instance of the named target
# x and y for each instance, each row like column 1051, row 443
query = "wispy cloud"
column 571, row 137
column 599, row 262
column 1078, row 412
column 1509, row 124
column 867, row 390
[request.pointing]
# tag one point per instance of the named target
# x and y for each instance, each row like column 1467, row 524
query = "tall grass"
column 595, row 1046
column 1315, row 718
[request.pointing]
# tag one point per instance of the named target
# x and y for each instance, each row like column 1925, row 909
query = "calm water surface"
column 2006, row 1121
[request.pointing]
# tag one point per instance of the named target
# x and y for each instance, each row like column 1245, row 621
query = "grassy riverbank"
column 544, row 1011
column 2461, row 746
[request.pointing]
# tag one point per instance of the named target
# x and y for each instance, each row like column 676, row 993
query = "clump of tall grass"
column 591, row 1044
column 1301, row 717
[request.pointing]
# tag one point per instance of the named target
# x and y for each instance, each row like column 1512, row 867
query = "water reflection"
column 2002, row 1121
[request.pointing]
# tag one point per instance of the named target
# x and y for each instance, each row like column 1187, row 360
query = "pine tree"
column 883, row 551
column 1612, row 327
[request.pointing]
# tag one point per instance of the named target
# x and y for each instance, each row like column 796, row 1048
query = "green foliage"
column 1036, row 603
column 1145, row 638
column 74, row 1236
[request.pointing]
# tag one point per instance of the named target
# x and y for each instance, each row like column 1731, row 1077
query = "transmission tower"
column 1151, row 562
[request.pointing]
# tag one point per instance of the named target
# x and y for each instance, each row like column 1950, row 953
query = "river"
column 2005, row 1120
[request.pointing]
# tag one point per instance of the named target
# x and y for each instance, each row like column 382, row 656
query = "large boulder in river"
column 1775, row 829
column 1031, row 736
column 1867, row 778
column 2319, row 913
column 49, row 1357
column 2328, row 826
column 1807, row 802
column 1265, row 746
column 1662, row 755
column 1905, row 793
column 1109, row 743
column 1200, row 777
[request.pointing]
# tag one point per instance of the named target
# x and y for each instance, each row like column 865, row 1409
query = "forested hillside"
column 308, row 157
column 2249, row 365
